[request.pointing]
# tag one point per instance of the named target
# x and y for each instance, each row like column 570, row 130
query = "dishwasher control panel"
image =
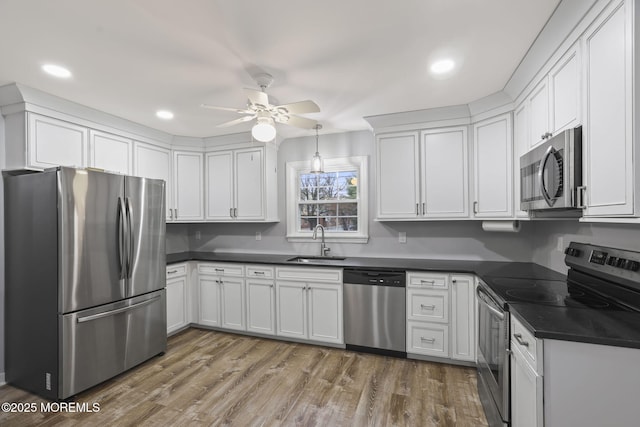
column 377, row 277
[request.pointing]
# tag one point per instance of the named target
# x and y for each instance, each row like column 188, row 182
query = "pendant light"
column 317, row 165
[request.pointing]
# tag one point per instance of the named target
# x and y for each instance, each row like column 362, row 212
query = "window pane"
column 348, row 209
column 308, row 223
column 307, row 210
column 327, row 209
column 348, row 224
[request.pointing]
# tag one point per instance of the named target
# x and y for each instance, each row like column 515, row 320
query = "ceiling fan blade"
column 237, row 121
column 235, row 110
column 257, row 97
column 301, row 107
column 299, row 122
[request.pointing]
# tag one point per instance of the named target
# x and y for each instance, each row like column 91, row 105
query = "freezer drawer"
column 99, row 343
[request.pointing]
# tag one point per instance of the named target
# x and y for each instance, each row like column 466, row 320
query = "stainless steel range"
column 600, row 279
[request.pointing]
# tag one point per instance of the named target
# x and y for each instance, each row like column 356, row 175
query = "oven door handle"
column 543, row 165
column 484, row 298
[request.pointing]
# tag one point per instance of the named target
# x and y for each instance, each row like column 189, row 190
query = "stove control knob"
column 612, row 261
column 631, row 265
column 572, row 252
column 621, row 262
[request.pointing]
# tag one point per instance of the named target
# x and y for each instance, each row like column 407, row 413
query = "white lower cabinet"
column 463, row 317
column 309, row 307
column 177, row 290
column 441, row 315
column 526, row 377
column 221, row 295
column 261, row 300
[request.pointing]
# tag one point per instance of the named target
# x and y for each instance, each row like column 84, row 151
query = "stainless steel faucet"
column 323, row 247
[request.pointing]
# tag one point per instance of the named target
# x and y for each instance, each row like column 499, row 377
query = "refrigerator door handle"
column 121, row 237
column 116, row 311
column 130, row 239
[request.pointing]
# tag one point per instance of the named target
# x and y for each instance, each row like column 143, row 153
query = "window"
column 336, row 199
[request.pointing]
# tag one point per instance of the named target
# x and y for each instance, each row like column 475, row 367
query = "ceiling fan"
column 266, row 114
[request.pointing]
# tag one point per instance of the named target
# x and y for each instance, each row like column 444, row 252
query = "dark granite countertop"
column 484, row 269
column 561, row 323
column 605, row 327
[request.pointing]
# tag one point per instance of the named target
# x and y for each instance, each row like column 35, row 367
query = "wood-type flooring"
column 215, row 378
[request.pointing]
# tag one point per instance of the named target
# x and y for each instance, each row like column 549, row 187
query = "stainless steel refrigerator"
column 85, row 277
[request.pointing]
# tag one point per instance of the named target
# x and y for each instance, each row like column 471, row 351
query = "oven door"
column 493, row 360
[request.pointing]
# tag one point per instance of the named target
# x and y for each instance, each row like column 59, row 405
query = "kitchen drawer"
column 428, row 305
column 176, row 270
column 431, row 339
column 428, row 280
column 260, row 271
column 219, row 269
column 305, row 274
column 529, row 346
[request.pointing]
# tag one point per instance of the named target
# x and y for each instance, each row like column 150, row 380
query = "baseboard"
column 2, row 382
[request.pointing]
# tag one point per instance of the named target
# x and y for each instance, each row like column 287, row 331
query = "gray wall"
column 177, row 238
column 434, row 239
column 3, row 164
column 547, row 233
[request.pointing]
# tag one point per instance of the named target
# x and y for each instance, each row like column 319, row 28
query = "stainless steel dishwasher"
column 374, row 311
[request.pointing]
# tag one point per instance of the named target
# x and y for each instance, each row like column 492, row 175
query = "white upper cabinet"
column 520, row 147
column 423, row 176
column 493, row 168
column 151, row 161
column 554, row 103
column 564, row 91
column 241, row 185
column 539, row 113
column 608, row 144
column 188, row 180
column 220, row 186
column 398, row 177
column 249, row 182
column 52, row 142
column 110, row 152
column 445, row 173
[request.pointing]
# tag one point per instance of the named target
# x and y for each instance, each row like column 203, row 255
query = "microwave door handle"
column 543, row 165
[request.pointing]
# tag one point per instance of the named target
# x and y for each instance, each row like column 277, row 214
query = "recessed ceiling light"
column 442, row 66
column 56, row 71
column 164, row 114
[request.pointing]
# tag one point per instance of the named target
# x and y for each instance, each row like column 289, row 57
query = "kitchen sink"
column 312, row 259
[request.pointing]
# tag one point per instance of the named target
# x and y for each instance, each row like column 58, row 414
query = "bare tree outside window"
column 330, row 199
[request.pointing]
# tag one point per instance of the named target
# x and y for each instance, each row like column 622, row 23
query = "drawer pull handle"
column 428, row 307
column 172, row 272
column 427, row 282
column 220, row 270
column 522, row 342
column 259, row 273
column 429, row 340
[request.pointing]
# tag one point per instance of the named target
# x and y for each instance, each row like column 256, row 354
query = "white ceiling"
column 354, row 58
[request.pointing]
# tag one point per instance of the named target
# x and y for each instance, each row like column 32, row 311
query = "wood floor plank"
column 215, row 378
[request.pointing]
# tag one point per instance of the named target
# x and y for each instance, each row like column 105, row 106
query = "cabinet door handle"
column 170, row 213
column 475, row 207
column 424, row 208
column 235, row 212
column 417, row 208
column 522, row 342
column 231, row 212
column 429, row 340
column 428, row 307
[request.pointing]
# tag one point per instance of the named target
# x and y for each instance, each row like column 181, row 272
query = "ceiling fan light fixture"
column 264, row 130
column 317, row 165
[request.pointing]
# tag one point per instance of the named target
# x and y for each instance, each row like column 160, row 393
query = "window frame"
column 292, row 187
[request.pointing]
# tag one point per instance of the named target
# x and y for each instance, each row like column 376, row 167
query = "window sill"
column 328, row 239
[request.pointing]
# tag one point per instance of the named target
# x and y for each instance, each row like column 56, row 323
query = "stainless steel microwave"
column 551, row 174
